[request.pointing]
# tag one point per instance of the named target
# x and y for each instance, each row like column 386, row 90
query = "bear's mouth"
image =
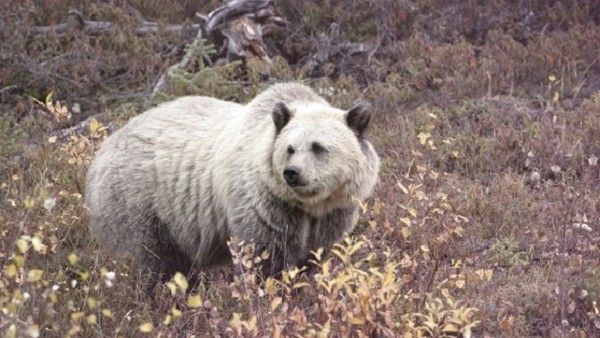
column 306, row 191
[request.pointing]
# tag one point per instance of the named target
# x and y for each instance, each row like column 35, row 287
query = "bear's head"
column 321, row 158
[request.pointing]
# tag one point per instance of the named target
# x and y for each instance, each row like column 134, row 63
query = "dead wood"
column 237, row 30
column 105, row 27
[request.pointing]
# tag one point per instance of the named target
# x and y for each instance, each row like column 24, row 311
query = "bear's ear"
column 358, row 118
column 281, row 116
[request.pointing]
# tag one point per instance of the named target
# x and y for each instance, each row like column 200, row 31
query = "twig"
column 104, row 27
column 380, row 38
column 76, row 129
column 436, row 265
column 37, row 69
column 561, row 286
column 7, row 88
column 571, row 197
column 233, row 9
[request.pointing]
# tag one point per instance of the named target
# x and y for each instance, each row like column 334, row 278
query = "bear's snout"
column 292, row 175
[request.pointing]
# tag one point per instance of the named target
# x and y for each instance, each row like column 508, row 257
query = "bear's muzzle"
column 291, row 174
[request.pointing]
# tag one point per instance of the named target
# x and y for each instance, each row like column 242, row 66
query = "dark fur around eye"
column 317, row 148
column 290, row 150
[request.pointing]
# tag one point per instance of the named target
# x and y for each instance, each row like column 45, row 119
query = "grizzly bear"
column 283, row 172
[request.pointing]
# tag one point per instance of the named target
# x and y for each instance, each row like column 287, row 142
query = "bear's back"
column 149, row 165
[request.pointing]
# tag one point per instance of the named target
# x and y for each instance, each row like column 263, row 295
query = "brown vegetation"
column 485, row 222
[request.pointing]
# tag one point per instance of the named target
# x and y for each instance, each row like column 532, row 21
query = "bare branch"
column 104, row 27
column 236, row 29
column 232, row 10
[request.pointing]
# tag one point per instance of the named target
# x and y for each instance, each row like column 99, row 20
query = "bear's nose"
column 292, row 175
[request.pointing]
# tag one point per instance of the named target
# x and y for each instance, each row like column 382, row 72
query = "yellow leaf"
column 294, row 272
column 276, row 302
column 236, row 322
column 406, row 261
column 29, row 203
column 91, row 319
column 73, row 259
column 450, row 328
column 167, row 320
column 10, row 270
column 181, row 281
column 12, row 331
column 77, row 315
column 19, row 261
column 176, row 312
column 22, row 245
column 194, row 301
column 412, row 212
column 424, row 248
column 423, row 136
column 378, row 207
column 405, row 220
column 107, row 313
column 146, row 327
column 33, row 331
column 556, row 97
column 298, row 285
column 373, row 225
column 488, row 274
column 49, row 97
column 34, row 275
column 552, row 78
column 270, row 286
column 36, row 243
column 94, row 125
column 404, row 190
column 84, row 275
column 405, row 232
column 473, row 277
column 251, row 324
column 49, row 203
column 447, row 206
column 172, row 287
column 445, row 293
column 356, row 320
column 92, row 303
column 11, row 308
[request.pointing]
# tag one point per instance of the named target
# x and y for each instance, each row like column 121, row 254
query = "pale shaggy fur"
column 172, row 185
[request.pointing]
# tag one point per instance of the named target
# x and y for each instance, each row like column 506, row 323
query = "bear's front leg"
column 282, row 235
column 278, row 251
column 331, row 228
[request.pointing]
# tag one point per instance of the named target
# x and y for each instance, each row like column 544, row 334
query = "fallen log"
column 105, row 27
column 236, row 29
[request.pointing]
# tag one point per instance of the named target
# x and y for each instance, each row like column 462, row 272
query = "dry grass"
column 485, row 220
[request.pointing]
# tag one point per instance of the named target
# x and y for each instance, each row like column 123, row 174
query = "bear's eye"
column 290, row 150
column 317, row 148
